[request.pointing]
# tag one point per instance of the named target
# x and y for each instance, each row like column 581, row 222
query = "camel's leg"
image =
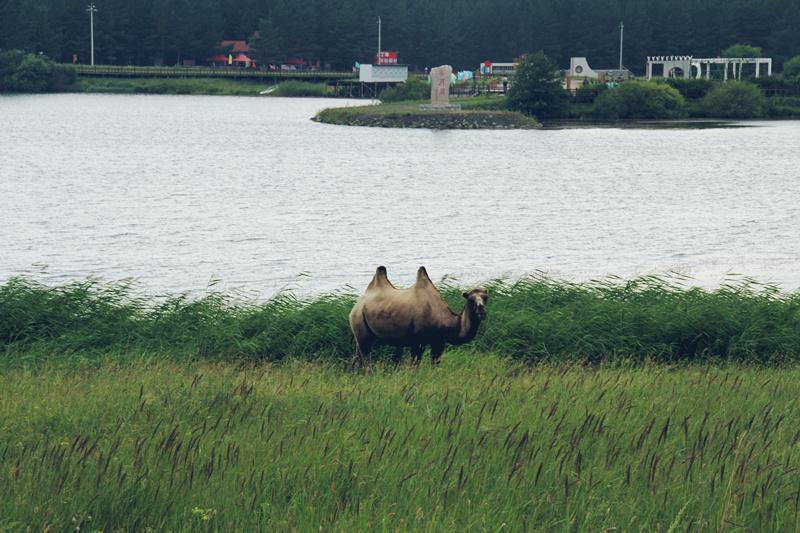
column 436, row 352
column 397, row 356
column 364, row 345
column 416, row 353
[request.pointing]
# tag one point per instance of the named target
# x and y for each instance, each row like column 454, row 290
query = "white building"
column 580, row 72
column 383, row 73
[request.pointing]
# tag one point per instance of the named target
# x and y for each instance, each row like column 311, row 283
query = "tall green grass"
column 534, row 319
column 477, row 445
column 193, row 86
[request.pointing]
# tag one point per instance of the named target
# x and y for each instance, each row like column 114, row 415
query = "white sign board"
column 383, row 73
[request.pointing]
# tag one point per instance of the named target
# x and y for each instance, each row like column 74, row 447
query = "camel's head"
column 477, row 300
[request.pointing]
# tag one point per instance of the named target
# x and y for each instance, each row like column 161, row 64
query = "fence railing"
column 206, row 72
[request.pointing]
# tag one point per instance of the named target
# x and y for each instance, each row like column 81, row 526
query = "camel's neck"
column 465, row 326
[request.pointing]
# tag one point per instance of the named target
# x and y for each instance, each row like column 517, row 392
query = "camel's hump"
column 380, row 279
column 422, row 274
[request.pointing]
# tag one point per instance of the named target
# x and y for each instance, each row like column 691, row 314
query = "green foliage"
column 588, row 92
column 692, row 88
column 536, row 88
column 205, row 86
column 31, row 73
column 62, row 77
column 536, row 318
column 268, row 46
column 640, row 100
column 301, row 88
column 474, row 445
column 743, row 50
column 735, row 99
column 9, row 61
column 783, row 107
column 425, row 32
column 413, row 89
column 791, row 68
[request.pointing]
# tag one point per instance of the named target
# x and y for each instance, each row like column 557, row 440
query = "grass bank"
column 476, row 445
column 534, row 319
column 476, row 113
column 198, row 86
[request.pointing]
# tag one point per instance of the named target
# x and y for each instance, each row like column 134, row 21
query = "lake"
column 178, row 192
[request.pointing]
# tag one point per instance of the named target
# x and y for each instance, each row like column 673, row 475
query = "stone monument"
column 440, row 89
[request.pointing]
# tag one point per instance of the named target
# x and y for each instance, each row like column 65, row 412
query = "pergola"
column 672, row 64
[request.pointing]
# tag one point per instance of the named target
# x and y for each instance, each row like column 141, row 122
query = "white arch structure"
column 686, row 63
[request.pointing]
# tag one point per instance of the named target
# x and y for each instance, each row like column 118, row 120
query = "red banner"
column 387, row 57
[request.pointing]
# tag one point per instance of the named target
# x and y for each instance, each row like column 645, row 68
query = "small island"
column 476, row 113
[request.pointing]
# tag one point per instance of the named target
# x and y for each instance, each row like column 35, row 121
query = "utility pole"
column 379, row 36
column 92, row 10
column 621, row 32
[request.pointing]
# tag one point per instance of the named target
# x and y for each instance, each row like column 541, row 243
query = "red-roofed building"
column 232, row 52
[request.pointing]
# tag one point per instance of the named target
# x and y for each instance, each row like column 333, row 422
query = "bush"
column 589, row 92
column 640, row 100
column 9, row 61
column 783, row 107
column 791, row 68
column 735, row 99
column 413, row 89
column 61, row 77
column 536, row 89
column 31, row 73
column 692, row 89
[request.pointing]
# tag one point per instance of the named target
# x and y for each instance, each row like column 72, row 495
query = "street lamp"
column 92, row 10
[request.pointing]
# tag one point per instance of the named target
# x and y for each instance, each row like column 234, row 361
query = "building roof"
column 234, row 46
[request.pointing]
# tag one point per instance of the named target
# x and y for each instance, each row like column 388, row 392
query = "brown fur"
column 415, row 317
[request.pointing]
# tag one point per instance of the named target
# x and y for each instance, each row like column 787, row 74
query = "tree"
column 742, row 50
column 267, row 44
column 536, row 89
column 735, row 99
column 32, row 75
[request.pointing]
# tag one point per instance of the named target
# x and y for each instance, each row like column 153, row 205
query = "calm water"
column 177, row 191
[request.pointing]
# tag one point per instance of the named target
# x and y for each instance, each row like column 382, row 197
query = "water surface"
column 177, row 191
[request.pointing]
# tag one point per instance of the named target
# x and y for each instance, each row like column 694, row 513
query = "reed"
column 534, row 319
column 478, row 444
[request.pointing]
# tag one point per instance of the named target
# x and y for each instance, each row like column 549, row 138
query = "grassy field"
column 478, row 444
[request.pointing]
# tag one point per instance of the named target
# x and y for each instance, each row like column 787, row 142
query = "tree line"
column 425, row 32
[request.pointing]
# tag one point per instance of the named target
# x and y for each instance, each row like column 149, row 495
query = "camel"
column 415, row 317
